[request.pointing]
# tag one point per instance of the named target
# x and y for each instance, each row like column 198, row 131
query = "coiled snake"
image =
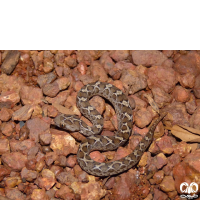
column 104, row 143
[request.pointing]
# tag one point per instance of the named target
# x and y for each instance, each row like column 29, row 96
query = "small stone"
column 46, row 79
column 10, row 62
column 5, row 114
column 181, row 94
column 7, row 128
column 31, row 95
column 4, row 146
column 168, row 184
column 39, row 194
column 15, row 160
column 24, row 113
column 148, row 57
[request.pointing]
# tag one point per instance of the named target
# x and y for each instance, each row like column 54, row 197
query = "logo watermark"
column 189, row 189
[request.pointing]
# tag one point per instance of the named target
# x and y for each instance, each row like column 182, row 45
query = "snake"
column 94, row 141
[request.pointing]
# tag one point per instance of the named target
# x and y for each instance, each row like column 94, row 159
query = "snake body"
column 104, row 143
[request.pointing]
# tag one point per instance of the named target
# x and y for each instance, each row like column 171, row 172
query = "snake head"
column 68, row 122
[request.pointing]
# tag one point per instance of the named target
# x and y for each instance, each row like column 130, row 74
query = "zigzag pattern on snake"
column 104, row 143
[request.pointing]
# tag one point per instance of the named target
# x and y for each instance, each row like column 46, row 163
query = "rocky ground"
column 38, row 160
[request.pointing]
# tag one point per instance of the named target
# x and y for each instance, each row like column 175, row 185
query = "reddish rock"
column 56, row 169
column 173, row 160
column 45, row 138
column 12, row 182
column 59, row 58
column 71, row 61
column 31, row 95
column 24, row 113
column 109, row 112
column 14, row 193
column 66, row 178
column 15, row 160
column 98, row 103
column 61, row 161
column 157, row 78
column 60, row 98
column 82, row 68
column 46, row 79
column 24, row 133
column 64, row 193
column 148, row 58
column 7, row 128
column 63, row 82
column 119, row 55
column 91, row 190
column 158, row 195
column 191, row 105
column 10, row 83
column 21, row 146
column 142, row 118
column 158, row 177
column 197, row 87
column 9, row 99
column 182, row 149
column 28, row 175
column 5, row 114
column 107, row 61
column 139, row 103
column 161, row 97
column 48, row 66
column 187, row 80
column 146, row 157
column 39, row 194
column 47, row 180
column 110, row 183
column 50, row 158
column 59, row 71
column 133, row 80
column 71, row 161
column 188, row 63
column 36, row 127
column 31, row 163
column 63, row 143
column 37, row 58
column 4, row 171
column 168, row 53
column 181, row 94
column 49, row 55
column 97, row 156
column 194, row 119
column 88, row 56
column 51, row 111
column 165, row 144
column 193, row 159
column 97, row 70
column 40, row 165
column 116, row 71
column 177, row 114
column 51, row 89
column 161, row 160
column 4, row 146
column 10, row 62
column 125, row 187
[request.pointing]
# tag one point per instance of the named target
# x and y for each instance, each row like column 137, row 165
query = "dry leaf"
column 192, row 130
column 184, row 134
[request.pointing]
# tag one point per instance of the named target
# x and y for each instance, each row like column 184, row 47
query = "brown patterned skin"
column 105, row 143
